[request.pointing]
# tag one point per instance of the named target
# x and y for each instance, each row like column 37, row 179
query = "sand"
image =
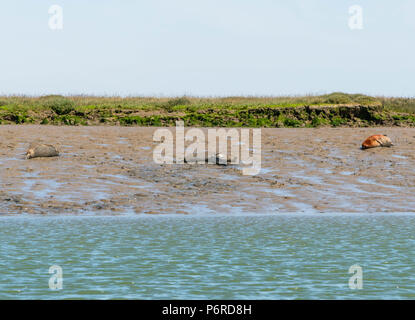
column 110, row 170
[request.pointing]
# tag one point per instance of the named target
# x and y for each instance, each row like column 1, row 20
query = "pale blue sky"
column 207, row 47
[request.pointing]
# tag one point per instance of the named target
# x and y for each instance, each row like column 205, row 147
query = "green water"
column 288, row 256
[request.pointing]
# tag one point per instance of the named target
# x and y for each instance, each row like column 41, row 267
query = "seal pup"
column 377, row 140
column 37, row 150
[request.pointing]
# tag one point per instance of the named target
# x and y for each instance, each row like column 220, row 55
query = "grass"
column 398, row 104
column 285, row 111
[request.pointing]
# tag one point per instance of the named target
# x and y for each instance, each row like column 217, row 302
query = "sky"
column 207, row 47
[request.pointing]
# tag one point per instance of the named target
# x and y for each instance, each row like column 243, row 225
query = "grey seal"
column 37, row 150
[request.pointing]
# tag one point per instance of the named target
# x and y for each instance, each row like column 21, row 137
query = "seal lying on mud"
column 37, row 150
column 218, row 159
column 377, row 140
column 221, row 160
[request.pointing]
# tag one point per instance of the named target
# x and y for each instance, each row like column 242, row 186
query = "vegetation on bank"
column 336, row 109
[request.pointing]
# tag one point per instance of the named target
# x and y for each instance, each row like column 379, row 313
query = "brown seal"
column 377, row 140
column 37, row 150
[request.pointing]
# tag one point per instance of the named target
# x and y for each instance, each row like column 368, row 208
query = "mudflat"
column 110, row 170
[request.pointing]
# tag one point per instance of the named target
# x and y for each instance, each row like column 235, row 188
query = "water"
column 279, row 256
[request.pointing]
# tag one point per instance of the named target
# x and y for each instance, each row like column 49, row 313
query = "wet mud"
column 110, row 170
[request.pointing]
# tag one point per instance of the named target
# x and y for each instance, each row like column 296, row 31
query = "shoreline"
column 331, row 110
column 255, row 117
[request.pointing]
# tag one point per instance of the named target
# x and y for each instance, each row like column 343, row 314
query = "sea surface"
column 217, row 256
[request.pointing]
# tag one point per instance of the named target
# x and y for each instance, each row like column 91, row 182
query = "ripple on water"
column 292, row 256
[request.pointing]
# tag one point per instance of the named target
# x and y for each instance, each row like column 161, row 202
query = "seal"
column 377, row 140
column 221, row 160
column 37, row 150
column 218, row 159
